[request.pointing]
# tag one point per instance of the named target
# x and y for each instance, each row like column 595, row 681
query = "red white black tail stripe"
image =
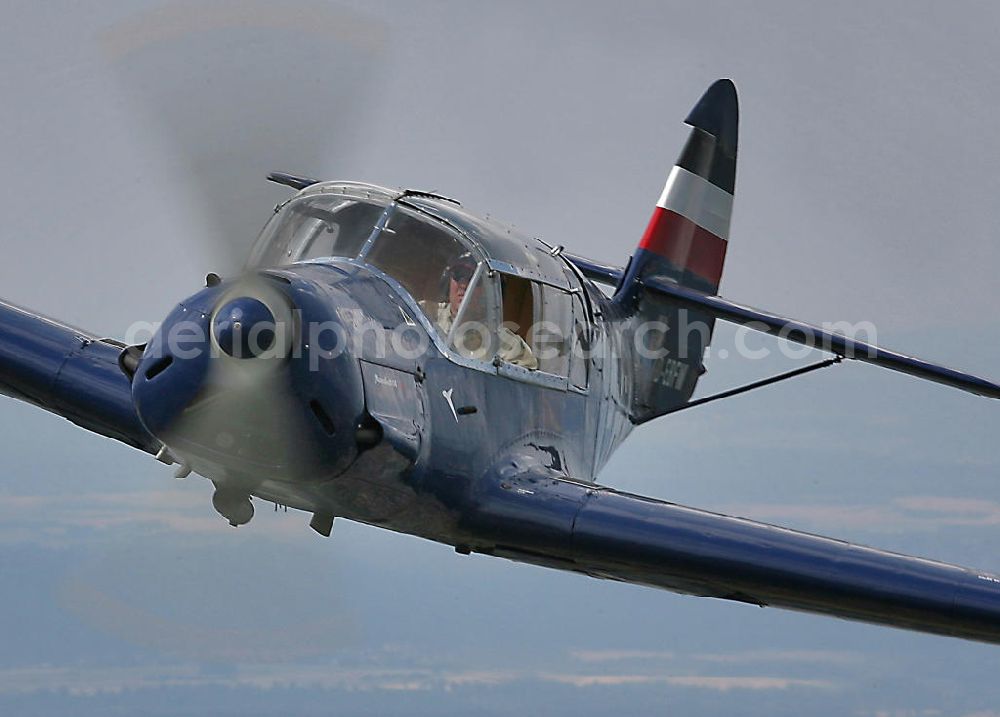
column 687, row 236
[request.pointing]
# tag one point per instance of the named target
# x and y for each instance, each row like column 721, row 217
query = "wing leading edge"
column 70, row 373
column 605, row 533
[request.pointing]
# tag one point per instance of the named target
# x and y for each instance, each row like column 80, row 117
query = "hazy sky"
column 134, row 139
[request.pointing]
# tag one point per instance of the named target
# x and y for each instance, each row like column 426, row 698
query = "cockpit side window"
column 549, row 323
column 418, row 253
column 552, row 333
column 518, row 304
column 581, row 347
column 451, row 286
column 316, row 226
column 468, row 318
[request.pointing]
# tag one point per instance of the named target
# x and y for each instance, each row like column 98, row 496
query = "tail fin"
column 687, row 235
column 684, row 243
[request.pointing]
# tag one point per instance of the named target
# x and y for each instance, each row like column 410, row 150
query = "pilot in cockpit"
column 468, row 338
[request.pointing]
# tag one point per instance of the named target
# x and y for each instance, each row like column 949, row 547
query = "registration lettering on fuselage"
column 673, row 374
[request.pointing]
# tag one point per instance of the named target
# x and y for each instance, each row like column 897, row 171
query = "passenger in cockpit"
column 512, row 348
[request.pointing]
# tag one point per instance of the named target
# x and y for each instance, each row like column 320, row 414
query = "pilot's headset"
column 462, row 269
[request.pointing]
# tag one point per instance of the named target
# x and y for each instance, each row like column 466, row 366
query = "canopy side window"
column 450, row 285
column 469, row 318
column 580, row 348
column 552, row 333
column 518, row 304
column 549, row 321
column 418, row 253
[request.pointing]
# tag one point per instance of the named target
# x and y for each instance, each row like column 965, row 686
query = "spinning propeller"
column 236, row 89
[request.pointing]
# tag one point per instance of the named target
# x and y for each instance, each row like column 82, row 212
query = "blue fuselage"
column 402, row 439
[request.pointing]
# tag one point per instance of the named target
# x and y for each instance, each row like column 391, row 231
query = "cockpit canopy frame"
column 503, row 247
column 514, row 286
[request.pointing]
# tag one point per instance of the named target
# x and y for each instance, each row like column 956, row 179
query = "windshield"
column 316, row 226
column 429, row 260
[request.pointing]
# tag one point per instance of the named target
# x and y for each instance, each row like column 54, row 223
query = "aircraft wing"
column 70, row 373
column 538, row 517
column 796, row 331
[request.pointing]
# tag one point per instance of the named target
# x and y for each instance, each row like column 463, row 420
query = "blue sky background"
column 866, row 191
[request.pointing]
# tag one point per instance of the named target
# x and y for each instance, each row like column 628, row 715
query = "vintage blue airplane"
column 390, row 358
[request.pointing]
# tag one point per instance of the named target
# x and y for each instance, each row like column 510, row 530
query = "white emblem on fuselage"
column 379, row 381
column 447, row 397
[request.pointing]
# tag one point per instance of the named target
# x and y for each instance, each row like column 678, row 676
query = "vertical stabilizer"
column 685, row 243
column 687, row 235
